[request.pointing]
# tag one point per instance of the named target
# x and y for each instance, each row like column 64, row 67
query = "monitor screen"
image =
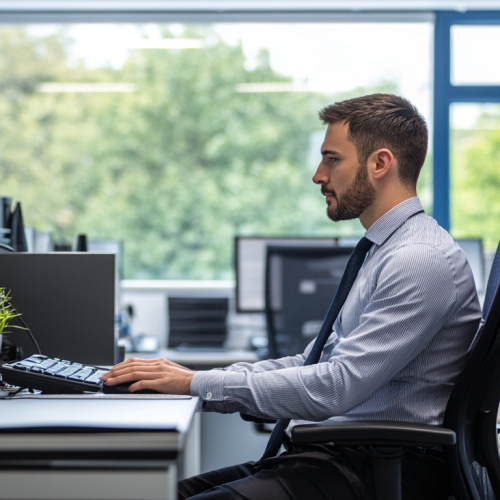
column 473, row 249
column 67, row 300
column 250, row 264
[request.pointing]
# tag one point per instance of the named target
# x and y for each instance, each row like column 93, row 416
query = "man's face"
column 343, row 180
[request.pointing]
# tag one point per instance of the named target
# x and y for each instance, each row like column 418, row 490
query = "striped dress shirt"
column 396, row 347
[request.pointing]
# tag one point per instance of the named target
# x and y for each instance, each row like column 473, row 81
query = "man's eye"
column 333, row 160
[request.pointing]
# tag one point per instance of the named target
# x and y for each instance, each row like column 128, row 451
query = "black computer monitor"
column 250, row 265
column 68, row 302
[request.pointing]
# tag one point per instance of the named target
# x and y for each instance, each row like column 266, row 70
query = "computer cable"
column 8, row 248
column 30, row 334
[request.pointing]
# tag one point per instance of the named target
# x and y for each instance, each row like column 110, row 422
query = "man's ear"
column 381, row 162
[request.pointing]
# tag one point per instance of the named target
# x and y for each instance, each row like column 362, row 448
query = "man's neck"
column 383, row 204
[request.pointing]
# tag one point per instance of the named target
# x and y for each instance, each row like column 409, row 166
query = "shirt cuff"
column 208, row 385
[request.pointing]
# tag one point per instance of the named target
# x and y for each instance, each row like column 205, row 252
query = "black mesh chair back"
column 474, row 463
column 300, row 284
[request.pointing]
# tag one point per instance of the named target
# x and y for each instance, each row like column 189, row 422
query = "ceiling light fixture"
column 167, row 43
column 57, row 87
column 247, row 88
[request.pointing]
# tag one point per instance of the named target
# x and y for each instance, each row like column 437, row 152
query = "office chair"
column 300, row 282
column 469, row 432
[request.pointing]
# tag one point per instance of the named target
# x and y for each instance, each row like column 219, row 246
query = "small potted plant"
column 7, row 313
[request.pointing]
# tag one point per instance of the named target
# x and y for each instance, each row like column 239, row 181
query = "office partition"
column 68, row 302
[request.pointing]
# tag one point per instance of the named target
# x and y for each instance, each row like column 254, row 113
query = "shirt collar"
column 383, row 227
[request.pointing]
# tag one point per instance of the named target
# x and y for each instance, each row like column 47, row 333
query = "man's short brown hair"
column 384, row 121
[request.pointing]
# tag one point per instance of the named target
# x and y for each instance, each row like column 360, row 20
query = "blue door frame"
column 445, row 94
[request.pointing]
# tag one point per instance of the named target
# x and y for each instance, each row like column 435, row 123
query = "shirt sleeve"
column 413, row 297
column 208, row 385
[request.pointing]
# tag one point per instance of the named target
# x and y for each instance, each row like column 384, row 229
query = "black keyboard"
column 53, row 375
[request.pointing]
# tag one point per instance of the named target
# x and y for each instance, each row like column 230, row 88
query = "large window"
column 475, row 173
column 175, row 138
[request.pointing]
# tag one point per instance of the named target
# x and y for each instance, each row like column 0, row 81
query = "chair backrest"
column 493, row 282
column 474, row 464
column 300, row 283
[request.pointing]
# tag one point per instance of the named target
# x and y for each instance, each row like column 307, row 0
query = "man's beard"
column 357, row 198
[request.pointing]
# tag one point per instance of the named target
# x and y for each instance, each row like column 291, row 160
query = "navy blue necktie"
column 350, row 274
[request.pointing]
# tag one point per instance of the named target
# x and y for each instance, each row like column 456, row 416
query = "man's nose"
column 320, row 177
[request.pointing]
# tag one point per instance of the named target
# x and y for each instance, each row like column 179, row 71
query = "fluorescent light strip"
column 167, row 43
column 247, row 88
column 85, row 87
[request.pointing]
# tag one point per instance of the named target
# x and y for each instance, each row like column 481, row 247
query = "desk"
column 93, row 449
column 224, row 439
column 199, row 360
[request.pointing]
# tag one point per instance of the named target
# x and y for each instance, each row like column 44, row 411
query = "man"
column 396, row 347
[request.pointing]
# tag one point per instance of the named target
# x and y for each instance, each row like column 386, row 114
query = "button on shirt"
column 396, row 347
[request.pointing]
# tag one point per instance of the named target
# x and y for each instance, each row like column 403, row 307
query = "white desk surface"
column 159, row 425
column 167, row 415
column 224, row 358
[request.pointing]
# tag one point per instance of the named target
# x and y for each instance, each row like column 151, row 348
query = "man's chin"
column 335, row 216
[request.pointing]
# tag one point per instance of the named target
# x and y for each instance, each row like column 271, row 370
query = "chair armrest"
column 373, row 433
column 250, row 418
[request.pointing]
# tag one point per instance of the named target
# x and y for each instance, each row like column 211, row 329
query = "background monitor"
column 473, row 248
column 38, row 241
column 250, row 264
column 67, row 300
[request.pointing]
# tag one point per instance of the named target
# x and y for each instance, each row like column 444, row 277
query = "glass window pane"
column 175, row 138
column 475, row 172
column 473, row 59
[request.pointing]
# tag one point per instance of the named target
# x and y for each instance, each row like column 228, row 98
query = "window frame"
column 446, row 94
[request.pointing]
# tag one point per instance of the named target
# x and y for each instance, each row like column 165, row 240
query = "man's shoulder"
column 422, row 247
column 420, row 235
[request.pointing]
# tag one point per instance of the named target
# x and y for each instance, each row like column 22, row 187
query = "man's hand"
column 158, row 374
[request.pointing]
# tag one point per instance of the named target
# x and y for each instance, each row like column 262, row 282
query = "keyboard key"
column 33, row 359
column 93, row 381
column 23, row 365
column 40, row 368
column 47, row 364
column 20, row 366
column 69, row 371
column 81, row 375
column 95, row 378
column 56, row 368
